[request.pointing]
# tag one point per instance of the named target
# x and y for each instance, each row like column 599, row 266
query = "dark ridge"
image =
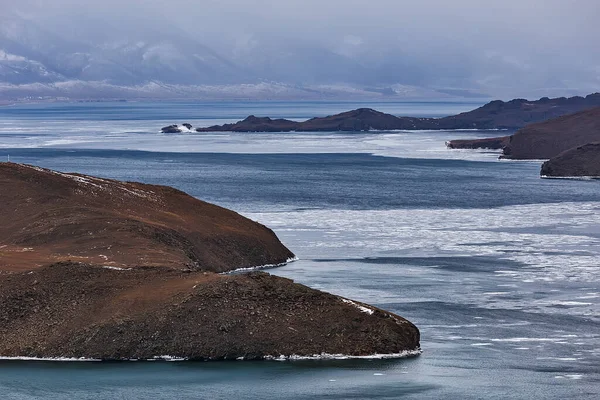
column 533, row 116
column 497, row 114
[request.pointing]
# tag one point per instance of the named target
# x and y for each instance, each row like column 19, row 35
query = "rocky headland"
column 548, row 139
column 517, row 113
column 102, row 269
column 582, row 161
column 542, row 140
column 497, row 114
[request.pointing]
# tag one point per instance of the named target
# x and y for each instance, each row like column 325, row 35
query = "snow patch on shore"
column 360, row 307
column 116, row 268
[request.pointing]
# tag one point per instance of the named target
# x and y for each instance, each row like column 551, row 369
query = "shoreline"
column 576, row 178
column 315, row 357
column 260, row 267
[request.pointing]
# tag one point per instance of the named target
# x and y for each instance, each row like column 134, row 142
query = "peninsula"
column 101, row 269
column 497, row 114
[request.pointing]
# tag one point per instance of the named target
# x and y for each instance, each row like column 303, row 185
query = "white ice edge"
column 327, row 356
column 293, row 357
column 257, row 268
column 53, row 359
column 84, row 359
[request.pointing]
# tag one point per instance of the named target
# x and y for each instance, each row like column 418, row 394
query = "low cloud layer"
column 503, row 49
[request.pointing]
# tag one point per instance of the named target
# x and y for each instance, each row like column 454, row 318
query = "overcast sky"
column 533, row 43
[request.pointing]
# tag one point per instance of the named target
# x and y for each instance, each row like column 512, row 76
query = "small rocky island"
column 102, row 269
column 582, row 161
column 497, row 114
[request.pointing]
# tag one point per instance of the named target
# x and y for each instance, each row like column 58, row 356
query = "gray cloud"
column 502, row 48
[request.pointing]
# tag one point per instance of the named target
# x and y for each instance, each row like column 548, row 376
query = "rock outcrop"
column 497, row 114
column 171, row 129
column 582, row 161
column 177, row 128
column 102, row 269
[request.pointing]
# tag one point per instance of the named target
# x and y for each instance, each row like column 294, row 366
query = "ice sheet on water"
column 142, row 135
column 536, row 235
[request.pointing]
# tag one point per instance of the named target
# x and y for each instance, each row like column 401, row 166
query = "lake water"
column 498, row 268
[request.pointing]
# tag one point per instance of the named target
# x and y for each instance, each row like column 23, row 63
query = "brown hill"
column 48, row 216
column 548, row 139
column 582, row 161
column 148, row 288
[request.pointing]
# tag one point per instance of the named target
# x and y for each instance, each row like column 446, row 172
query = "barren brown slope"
column 149, row 288
column 548, row 139
column 80, row 310
column 48, row 216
